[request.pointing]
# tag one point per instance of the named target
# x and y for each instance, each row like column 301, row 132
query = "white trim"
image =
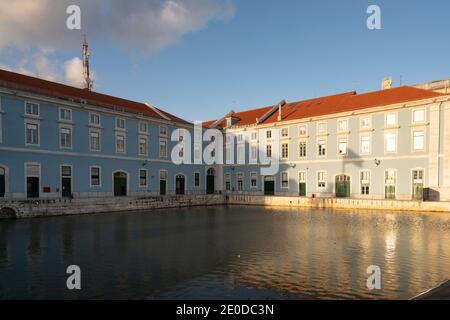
column 185, row 183
column 413, row 147
column 139, row 128
column 237, row 181
column 35, row 122
column 412, row 178
column 255, row 186
column 120, row 134
column 319, row 133
column 342, row 174
column 30, row 114
column 394, row 132
column 424, row 121
column 66, row 127
column 299, row 142
column 281, row 180
column 124, row 124
column 370, row 122
column 338, row 138
column 321, row 189
column 99, row 176
column 99, row 132
column 65, row 120
column 146, row 178
column 305, row 181
column 61, row 177
column 95, row 125
column 361, row 136
column 318, row 155
column 146, row 145
column 159, row 147
column 390, row 126
column 360, row 182
column 395, row 184
column 338, row 130
column 26, row 176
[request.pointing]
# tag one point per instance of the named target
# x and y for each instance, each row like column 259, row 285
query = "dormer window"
column 229, row 122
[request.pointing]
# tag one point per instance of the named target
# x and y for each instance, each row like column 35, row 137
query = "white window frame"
column 124, row 143
column 146, row 145
column 300, row 149
column 281, row 179
column 121, row 120
column 322, row 123
column 69, row 111
column 325, row 180
column 361, row 149
column 414, row 149
column 99, row 140
column 140, row 124
column 163, row 134
column 300, row 131
column 146, row 178
column 32, row 114
column 369, row 126
column 338, row 124
column 395, row 134
column 361, row 182
column 159, row 148
column 99, row 176
column 283, row 156
column 37, row 124
column 240, row 176
column 61, row 128
column 413, row 120
column 318, row 148
column 386, row 118
column 343, row 140
column 91, row 114
column 251, row 175
column 286, row 130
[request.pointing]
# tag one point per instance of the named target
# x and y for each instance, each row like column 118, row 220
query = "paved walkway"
column 441, row 292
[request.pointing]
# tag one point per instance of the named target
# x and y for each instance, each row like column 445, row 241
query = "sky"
column 199, row 59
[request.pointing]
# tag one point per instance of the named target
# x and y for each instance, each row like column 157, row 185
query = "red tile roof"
column 15, row 81
column 344, row 102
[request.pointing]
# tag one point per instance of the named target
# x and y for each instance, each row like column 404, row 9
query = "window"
column 143, row 128
column 163, row 131
column 269, row 151
column 120, row 144
column 240, row 182
column 228, row 182
column 196, row 179
column 120, row 123
column 229, row 122
column 32, row 109
column 391, row 142
column 302, row 149
column 365, row 144
column 32, row 134
column 142, row 146
column 253, row 136
column 391, row 119
column 342, row 125
column 366, row 123
column 285, row 132
column 321, row 180
column 143, row 177
column 342, row 146
column 163, row 175
column 268, row 134
column 95, row 140
column 302, row 131
column 95, row 177
column 240, row 137
column 162, row 148
column 228, row 154
column 65, row 114
column 365, row 182
column 322, row 148
column 66, row 138
column 419, row 116
column 240, row 153
column 254, row 153
column 322, row 127
column 284, row 180
column 419, row 140
column 285, row 151
column 94, row 119
column 253, row 180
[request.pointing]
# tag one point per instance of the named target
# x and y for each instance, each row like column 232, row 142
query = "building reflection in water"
column 235, row 252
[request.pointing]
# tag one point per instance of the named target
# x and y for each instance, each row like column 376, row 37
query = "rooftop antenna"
column 86, row 72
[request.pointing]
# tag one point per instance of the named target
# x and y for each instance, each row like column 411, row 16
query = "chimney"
column 386, row 83
column 280, row 117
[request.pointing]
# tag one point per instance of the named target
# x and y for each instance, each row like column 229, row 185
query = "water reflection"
column 222, row 252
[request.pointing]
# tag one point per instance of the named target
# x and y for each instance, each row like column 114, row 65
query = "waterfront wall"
column 59, row 207
column 336, row 203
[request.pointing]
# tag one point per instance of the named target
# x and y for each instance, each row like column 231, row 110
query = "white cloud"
column 73, row 72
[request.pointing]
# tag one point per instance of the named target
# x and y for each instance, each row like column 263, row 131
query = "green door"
column 342, row 186
column 269, row 186
column 120, row 184
column 302, row 189
column 180, row 185
column 162, row 187
column 210, row 184
column 418, row 191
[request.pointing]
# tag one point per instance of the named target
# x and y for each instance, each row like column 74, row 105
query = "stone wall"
column 59, row 207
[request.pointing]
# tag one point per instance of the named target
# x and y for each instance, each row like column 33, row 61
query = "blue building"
column 59, row 141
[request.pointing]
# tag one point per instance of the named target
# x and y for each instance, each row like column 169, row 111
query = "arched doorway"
column 180, row 184
column 342, row 186
column 2, row 182
column 210, row 181
column 120, row 184
column 269, row 185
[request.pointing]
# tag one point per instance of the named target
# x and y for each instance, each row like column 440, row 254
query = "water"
column 225, row 253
